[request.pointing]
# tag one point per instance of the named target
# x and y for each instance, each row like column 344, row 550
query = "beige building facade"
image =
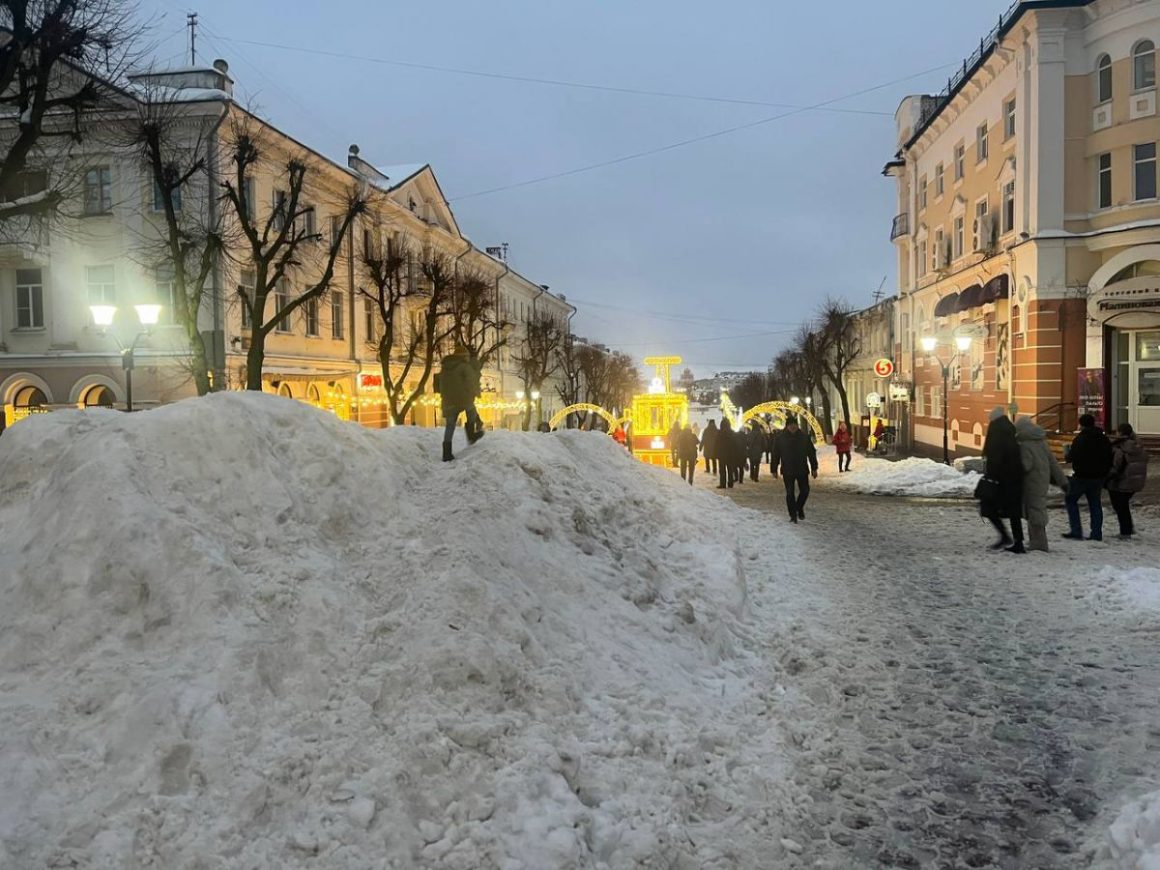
column 1028, row 222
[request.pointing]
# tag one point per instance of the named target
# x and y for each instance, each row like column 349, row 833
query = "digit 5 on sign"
column 884, row 368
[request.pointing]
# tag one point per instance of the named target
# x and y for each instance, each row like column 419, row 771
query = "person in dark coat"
column 709, row 446
column 459, row 378
column 1090, row 457
column 755, row 445
column 687, row 453
column 1128, row 476
column 794, row 453
column 674, row 437
column 1004, row 466
column 740, row 455
column 725, row 468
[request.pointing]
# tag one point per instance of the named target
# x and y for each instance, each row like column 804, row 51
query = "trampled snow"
column 1134, row 838
column 235, row 631
column 907, row 477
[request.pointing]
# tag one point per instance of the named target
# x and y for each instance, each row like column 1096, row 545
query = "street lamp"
column 148, row 315
column 929, row 343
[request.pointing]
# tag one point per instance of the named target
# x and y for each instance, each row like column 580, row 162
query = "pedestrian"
column 724, row 464
column 1090, row 457
column 1128, row 475
column 687, row 453
column 674, row 435
column 842, row 445
column 458, row 385
column 755, row 446
column 740, row 455
column 619, row 436
column 1001, row 491
column 709, row 441
column 1040, row 470
column 794, row 452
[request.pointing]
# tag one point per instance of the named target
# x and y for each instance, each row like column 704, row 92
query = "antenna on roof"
column 878, row 294
column 191, row 18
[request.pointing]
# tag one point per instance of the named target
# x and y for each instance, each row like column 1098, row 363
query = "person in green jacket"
column 459, row 379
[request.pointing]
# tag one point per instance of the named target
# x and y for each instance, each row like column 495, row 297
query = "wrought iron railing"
column 1059, row 418
column 900, row 227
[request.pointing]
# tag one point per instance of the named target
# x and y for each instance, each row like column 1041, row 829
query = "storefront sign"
column 873, row 400
column 1130, row 304
column 884, row 368
column 900, row 392
column 366, row 381
column 1091, row 394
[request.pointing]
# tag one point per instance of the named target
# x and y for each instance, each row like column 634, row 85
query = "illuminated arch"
column 14, row 384
column 562, row 415
column 85, row 385
column 785, row 409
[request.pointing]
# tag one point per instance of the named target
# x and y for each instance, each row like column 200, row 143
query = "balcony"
column 900, row 227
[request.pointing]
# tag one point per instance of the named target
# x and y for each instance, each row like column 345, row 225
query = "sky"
column 715, row 251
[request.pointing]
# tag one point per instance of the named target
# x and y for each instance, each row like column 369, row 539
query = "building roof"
column 399, row 174
column 987, row 45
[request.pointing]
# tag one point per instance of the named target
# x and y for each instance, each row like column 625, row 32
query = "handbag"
column 987, row 490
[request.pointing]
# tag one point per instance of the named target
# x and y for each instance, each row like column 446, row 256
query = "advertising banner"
column 1091, row 394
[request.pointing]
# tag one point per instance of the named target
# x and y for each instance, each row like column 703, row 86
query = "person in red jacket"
column 842, row 444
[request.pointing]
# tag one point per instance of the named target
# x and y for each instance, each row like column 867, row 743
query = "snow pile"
column 1134, row 837
column 1128, row 594
column 237, row 632
column 907, row 477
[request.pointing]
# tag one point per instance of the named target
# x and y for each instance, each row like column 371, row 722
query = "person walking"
column 755, row 445
column 709, row 440
column 459, row 378
column 674, row 437
column 1004, row 470
column 1090, row 457
column 1040, row 470
column 843, row 442
column 740, row 455
column 687, row 453
column 794, row 452
column 619, row 436
column 1128, row 476
column 724, row 460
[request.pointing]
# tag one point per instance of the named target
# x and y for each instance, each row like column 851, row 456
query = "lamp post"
column 148, row 315
column 929, row 343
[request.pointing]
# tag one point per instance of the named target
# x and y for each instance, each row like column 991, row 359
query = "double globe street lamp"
column 929, row 344
column 148, row 315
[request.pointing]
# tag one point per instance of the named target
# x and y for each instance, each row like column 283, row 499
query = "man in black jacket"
column 1091, row 460
column 794, row 452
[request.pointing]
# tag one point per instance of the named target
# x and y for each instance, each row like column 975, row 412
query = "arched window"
column 1144, row 65
column 28, row 400
column 1103, row 79
column 313, row 397
column 284, row 390
column 1141, row 269
column 98, row 397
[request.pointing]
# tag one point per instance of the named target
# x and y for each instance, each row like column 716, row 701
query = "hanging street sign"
column 900, row 392
column 884, row 368
column 873, row 400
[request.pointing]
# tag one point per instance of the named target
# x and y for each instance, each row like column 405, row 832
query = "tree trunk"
column 199, row 366
column 827, row 415
column 255, row 356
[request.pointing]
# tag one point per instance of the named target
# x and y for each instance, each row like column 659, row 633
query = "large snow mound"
column 235, row 631
column 1134, row 837
column 922, row 478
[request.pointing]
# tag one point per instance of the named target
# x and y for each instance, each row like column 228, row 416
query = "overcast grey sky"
column 735, row 239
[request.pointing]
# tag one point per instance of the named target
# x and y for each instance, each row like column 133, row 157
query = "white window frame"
column 958, row 237
column 101, row 282
column 1104, row 172
column 982, row 210
column 310, row 309
column 98, row 190
column 1008, row 216
column 1137, row 164
column 1105, row 88
column 32, row 303
column 982, row 143
column 960, row 158
column 922, row 260
column 922, row 193
column 165, row 294
column 370, row 323
column 158, row 199
column 246, row 278
column 1009, row 119
column 940, row 243
column 1143, row 66
column 940, row 181
column 337, row 315
column 285, row 324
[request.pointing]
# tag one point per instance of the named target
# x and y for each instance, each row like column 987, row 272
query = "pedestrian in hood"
column 724, row 450
column 709, row 446
column 1128, row 476
column 794, row 453
column 1004, row 470
column 755, row 445
column 842, row 444
column 739, row 455
column 459, row 378
column 687, row 453
column 1091, row 461
column 1040, row 471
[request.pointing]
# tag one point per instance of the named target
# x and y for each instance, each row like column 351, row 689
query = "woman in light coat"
column 1040, row 470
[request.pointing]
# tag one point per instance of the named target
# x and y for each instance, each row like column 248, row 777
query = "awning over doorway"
column 946, row 306
column 970, row 298
column 997, row 288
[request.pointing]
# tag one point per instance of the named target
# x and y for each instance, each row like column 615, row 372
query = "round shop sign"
column 873, row 400
column 884, row 368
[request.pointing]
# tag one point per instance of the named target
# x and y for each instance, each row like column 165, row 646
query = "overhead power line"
column 716, row 134
column 536, row 80
column 686, row 318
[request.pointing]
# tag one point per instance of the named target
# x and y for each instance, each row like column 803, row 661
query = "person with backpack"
column 794, row 453
column 458, row 383
column 843, row 443
column 1090, row 457
column 1128, row 475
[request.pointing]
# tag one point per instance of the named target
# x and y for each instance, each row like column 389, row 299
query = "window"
column 959, row 236
column 102, row 290
column 281, row 203
column 335, row 229
column 336, row 319
column 159, row 197
column 938, row 254
column 920, row 402
column 281, row 300
column 369, row 321
column 311, row 307
column 246, row 285
column 1105, row 181
column 922, row 193
column 1139, row 269
column 940, row 185
column 960, row 161
column 1009, row 118
column 1144, row 66
column 251, row 192
column 936, row 400
column 1103, row 79
column 24, row 184
column 1144, row 157
column 99, row 190
column 922, row 261
column 165, row 293
column 368, row 242
column 29, row 299
column 1008, row 207
column 309, row 223
column 982, row 148
column 981, row 237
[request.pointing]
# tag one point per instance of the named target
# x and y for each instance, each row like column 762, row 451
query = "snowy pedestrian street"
column 955, row 707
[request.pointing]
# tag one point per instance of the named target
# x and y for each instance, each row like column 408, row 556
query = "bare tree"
column 184, row 241
column 287, row 244
column 55, row 59
column 752, row 391
column 476, row 321
column 623, row 381
column 571, row 376
column 536, row 356
column 842, row 344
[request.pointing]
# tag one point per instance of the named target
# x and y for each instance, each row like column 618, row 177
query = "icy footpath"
column 238, row 632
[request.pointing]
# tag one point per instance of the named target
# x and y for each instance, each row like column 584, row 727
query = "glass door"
column 1145, row 383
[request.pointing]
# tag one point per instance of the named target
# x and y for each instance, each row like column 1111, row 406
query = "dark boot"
column 474, row 434
column 447, row 457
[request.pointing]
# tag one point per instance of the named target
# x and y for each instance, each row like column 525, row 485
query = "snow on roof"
column 164, row 94
column 401, row 172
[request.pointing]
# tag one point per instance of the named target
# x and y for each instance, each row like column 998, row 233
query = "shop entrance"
column 1137, row 380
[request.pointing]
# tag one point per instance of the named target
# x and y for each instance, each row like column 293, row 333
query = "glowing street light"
column 103, row 315
column 148, row 315
column 929, row 343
